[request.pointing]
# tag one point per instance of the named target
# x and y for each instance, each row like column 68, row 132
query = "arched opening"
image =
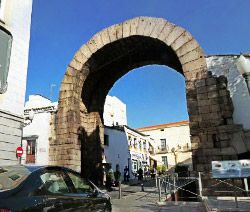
column 109, row 55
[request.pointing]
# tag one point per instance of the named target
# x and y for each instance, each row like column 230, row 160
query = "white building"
column 172, row 141
column 116, row 148
column 15, row 21
column 114, row 112
column 36, row 135
column 140, row 148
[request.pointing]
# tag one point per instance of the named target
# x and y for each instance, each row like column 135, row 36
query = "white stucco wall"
column 114, row 112
column 117, row 151
column 226, row 66
column 174, row 135
column 178, row 135
column 17, row 19
column 40, row 127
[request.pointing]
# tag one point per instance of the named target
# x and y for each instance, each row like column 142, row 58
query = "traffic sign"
column 19, row 151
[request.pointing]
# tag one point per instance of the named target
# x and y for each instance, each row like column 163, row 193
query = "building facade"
column 116, row 151
column 140, row 148
column 172, row 141
column 114, row 113
column 36, row 134
column 15, row 22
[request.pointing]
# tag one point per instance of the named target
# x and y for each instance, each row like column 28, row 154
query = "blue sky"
column 153, row 94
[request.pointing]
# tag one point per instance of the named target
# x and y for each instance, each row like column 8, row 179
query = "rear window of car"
column 12, row 176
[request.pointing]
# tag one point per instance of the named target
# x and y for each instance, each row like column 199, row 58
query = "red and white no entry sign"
column 19, row 151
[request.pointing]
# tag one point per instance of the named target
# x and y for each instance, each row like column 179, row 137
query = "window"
column 106, row 140
column 2, row 6
column 163, row 144
column 31, row 147
column 54, row 182
column 140, row 145
column 80, row 185
column 144, row 145
column 165, row 160
column 134, row 165
column 5, row 46
column 135, row 143
column 130, row 140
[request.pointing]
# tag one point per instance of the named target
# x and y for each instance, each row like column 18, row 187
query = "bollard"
column 165, row 185
column 175, row 191
column 236, row 200
column 159, row 188
column 120, row 190
column 142, row 187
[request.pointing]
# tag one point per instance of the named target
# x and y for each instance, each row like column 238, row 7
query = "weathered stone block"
column 151, row 22
column 212, row 94
column 184, row 38
column 191, row 56
column 194, row 65
column 215, row 108
column 202, row 96
column 133, row 26
column 201, row 90
column 126, row 29
column 203, row 103
column 141, row 26
column 158, row 28
column 211, row 81
column 105, row 37
column 187, row 47
column 200, row 83
column 166, row 30
column 86, row 51
column 204, row 109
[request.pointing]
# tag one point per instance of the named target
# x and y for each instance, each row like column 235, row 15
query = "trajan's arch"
column 108, row 56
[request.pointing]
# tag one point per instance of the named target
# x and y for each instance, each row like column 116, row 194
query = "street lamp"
column 243, row 65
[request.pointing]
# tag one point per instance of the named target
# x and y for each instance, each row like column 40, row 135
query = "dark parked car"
column 48, row 188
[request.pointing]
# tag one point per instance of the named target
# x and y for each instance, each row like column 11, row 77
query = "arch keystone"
column 133, row 25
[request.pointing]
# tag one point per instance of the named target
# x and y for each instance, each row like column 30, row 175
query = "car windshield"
column 12, row 176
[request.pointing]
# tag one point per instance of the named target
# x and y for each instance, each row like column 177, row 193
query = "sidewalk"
column 224, row 204
column 141, row 201
column 133, row 199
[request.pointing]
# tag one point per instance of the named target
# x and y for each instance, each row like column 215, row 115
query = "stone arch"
column 106, row 57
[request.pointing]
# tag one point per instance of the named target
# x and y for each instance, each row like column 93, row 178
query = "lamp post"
column 243, row 65
column 30, row 118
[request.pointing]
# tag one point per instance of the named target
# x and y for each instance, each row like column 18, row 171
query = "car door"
column 59, row 194
column 26, row 196
column 90, row 197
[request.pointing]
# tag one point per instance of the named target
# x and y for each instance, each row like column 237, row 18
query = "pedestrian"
column 140, row 174
column 126, row 174
column 109, row 178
